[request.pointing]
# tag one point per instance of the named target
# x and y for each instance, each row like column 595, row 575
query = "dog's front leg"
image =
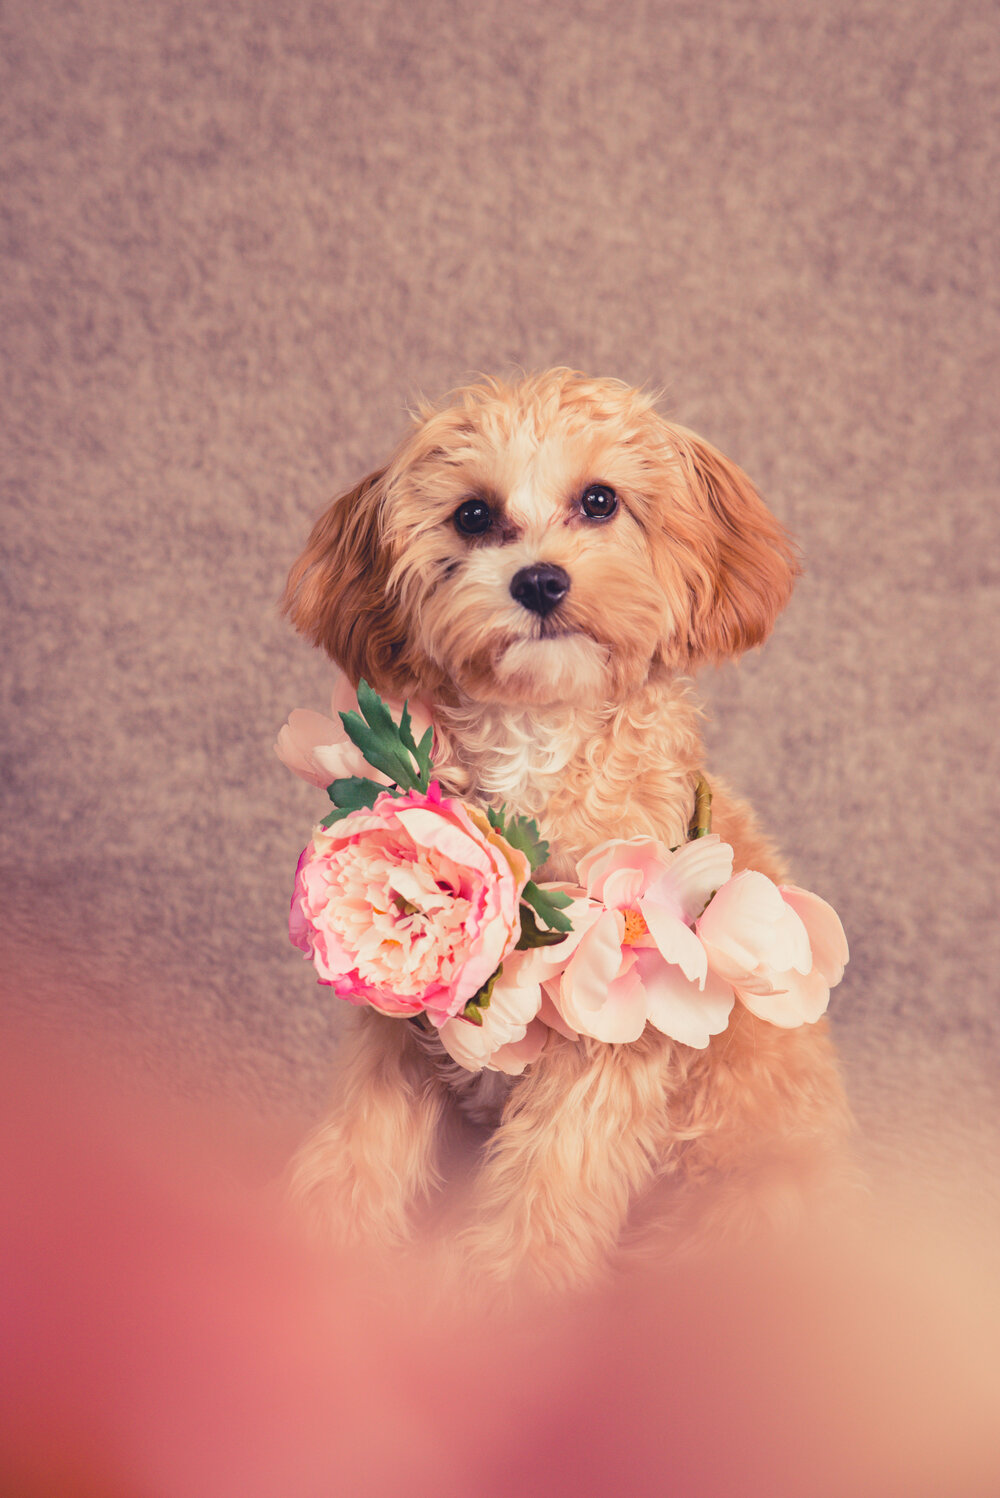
column 574, row 1146
column 374, row 1157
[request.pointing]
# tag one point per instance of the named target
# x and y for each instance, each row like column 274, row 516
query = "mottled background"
column 239, row 238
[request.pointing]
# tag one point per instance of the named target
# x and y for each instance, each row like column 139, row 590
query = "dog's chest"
column 583, row 774
column 523, row 760
column 522, row 773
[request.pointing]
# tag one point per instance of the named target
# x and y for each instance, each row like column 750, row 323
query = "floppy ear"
column 336, row 592
column 752, row 562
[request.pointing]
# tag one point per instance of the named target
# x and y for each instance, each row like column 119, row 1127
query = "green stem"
column 701, row 823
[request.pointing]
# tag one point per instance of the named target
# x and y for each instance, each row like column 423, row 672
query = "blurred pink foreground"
column 162, row 1335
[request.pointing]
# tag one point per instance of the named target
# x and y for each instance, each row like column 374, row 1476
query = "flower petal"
column 513, row 1057
column 795, row 1000
column 676, row 942
column 547, row 962
column 622, row 888
column 760, row 981
column 511, row 1009
column 341, row 760
column 646, row 854
column 695, row 872
column 549, row 1014
column 750, row 923
column 824, row 929
column 430, row 829
column 591, row 971
column 298, row 740
column 622, row 1017
column 680, row 1008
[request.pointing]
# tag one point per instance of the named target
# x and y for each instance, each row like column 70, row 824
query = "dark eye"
column 599, row 502
column 472, row 517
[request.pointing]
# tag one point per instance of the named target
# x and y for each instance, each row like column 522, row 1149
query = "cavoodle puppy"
column 546, row 562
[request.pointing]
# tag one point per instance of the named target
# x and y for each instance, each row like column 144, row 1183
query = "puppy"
column 546, row 562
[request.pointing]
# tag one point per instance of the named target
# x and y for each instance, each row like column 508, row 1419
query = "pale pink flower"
column 633, row 956
column 317, row 747
column 409, row 907
column 511, row 1036
column 780, row 947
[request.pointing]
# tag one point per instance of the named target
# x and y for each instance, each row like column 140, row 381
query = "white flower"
column 510, row 1036
column 781, row 948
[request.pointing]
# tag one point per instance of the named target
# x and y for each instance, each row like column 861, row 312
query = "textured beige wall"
column 240, row 237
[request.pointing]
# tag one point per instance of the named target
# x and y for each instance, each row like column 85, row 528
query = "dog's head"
column 549, row 540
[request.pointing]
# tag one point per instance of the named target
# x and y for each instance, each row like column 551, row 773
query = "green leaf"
column 532, row 934
column 421, row 752
column 474, row 1008
column 555, row 897
column 406, row 729
column 523, row 833
column 354, row 792
column 549, row 904
column 378, row 751
column 384, row 744
column 374, row 709
column 424, row 750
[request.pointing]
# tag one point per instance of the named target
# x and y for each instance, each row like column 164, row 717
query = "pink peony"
column 633, row 956
column 409, row 907
column 780, row 947
column 317, row 748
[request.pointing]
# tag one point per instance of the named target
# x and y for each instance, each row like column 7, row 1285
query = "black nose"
column 540, row 588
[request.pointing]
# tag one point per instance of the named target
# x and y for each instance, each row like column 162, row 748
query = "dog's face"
column 545, row 541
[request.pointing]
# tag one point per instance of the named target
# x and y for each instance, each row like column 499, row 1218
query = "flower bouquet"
column 420, row 904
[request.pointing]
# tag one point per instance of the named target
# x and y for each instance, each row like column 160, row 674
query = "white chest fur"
column 584, row 773
column 518, row 755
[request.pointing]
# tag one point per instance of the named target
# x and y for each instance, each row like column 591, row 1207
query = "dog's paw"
column 338, row 1200
column 516, row 1254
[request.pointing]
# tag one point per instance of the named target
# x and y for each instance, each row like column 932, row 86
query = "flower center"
column 635, row 927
